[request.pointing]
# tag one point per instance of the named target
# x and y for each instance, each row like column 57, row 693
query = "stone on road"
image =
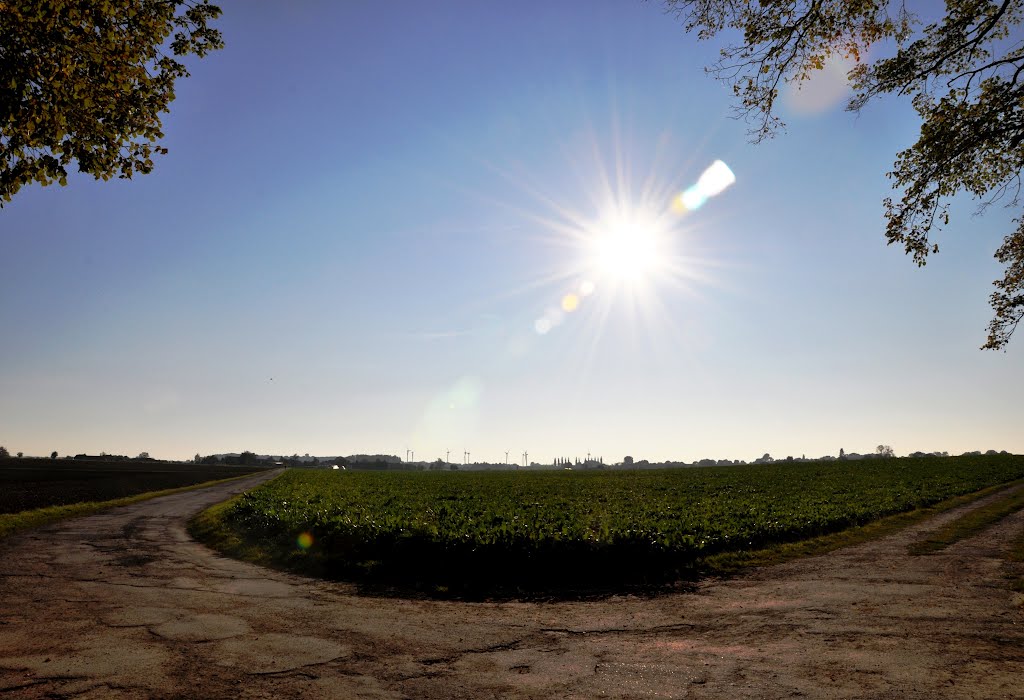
column 124, row 604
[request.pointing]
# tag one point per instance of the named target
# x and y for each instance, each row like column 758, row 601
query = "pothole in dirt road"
column 276, row 653
column 129, row 560
column 204, row 627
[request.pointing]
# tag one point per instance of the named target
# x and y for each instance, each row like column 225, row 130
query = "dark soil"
column 27, row 484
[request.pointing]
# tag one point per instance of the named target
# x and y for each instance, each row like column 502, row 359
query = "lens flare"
column 715, row 179
column 453, row 414
column 304, row 541
column 570, row 302
column 712, row 181
column 823, row 90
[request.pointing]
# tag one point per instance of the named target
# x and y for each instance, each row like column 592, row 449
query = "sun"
column 629, row 246
column 632, row 251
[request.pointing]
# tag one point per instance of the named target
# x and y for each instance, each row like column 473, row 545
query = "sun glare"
column 632, row 243
column 628, row 247
column 628, row 250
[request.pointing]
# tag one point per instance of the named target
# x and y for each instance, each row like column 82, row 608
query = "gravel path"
column 124, row 604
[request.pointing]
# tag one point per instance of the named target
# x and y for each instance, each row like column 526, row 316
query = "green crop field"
column 549, row 528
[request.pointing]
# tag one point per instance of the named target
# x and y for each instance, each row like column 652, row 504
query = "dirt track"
column 124, row 604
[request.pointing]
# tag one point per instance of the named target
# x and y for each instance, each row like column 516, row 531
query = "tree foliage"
column 87, row 81
column 963, row 73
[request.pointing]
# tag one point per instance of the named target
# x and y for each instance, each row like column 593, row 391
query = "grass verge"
column 728, row 563
column 969, row 524
column 211, row 528
column 1016, row 554
column 11, row 523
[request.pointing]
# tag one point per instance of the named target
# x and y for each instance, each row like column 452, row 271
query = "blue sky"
column 366, row 209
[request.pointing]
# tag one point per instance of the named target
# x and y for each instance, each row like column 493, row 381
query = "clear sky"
column 372, row 213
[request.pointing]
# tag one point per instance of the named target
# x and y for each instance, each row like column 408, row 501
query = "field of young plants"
column 540, row 528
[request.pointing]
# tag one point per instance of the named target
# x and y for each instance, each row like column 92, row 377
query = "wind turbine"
column 506, row 456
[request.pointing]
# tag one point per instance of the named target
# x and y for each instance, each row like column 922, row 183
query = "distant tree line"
column 246, row 459
column 369, row 462
column 104, row 457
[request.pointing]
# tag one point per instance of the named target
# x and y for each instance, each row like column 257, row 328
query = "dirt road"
column 124, row 604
